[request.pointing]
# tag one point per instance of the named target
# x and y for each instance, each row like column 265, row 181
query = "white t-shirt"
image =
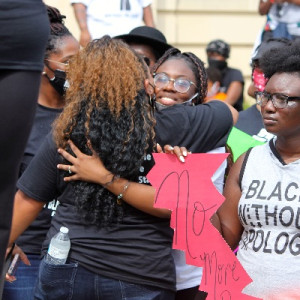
column 289, row 13
column 188, row 276
column 113, row 17
column 270, row 213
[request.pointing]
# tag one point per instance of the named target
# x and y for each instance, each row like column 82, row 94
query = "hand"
column 23, row 257
column 180, row 152
column 85, row 167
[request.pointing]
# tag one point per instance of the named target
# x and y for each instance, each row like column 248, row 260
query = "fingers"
column 91, row 148
column 159, row 148
column 180, row 152
column 168, row 149
column 10, row 278
column 71, row 178
column 74, row 148
column 68, row 168
column 67, row 155
column 24, row 258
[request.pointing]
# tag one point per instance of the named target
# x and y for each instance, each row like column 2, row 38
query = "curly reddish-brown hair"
column 106, row 107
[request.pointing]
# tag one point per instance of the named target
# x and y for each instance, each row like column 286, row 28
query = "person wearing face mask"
column 58, row 80
column 249, row 131
column 179, row 86
column 60, row 48
column 232, row 79
column 214, row 77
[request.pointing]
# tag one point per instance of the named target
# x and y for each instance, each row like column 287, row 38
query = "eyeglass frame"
column 174, row 80
column 58, row 62
column 270, row 97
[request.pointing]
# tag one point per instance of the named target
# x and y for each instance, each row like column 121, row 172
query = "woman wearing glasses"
column 180, row 83
column 261, row 212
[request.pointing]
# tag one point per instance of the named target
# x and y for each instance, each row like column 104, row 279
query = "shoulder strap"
column 244, row 166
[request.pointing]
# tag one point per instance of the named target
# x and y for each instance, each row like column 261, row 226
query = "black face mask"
column 219, row 64
column 58, row 81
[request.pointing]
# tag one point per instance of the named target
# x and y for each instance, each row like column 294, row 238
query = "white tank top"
column 269, row 210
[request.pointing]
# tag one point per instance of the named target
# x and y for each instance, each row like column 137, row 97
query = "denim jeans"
column 71, row 281
column 23, row 287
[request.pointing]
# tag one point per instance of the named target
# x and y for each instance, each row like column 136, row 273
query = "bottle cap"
column 64, row 229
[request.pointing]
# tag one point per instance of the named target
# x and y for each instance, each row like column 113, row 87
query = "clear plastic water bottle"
column 59, row 247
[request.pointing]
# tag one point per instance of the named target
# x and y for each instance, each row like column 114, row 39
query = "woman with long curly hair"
column 119, row 250
column 180, row 82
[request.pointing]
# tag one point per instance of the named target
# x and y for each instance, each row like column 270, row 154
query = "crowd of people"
column 99, row 112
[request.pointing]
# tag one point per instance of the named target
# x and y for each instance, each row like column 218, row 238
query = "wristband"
column 115, row 177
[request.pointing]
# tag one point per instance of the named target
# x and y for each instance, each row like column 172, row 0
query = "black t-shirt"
column 32, row 239
column 199, row 128
column 250, row 121
column 230, row 75
column 138, row 249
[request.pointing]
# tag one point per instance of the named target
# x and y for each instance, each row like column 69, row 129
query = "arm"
column 251, row 90
column 234, row 112
column 226, row 219
column 148, row 16
column 233, row 92
column 81, row 17
column 91, row 169
column 264, row 7
column 25, row 212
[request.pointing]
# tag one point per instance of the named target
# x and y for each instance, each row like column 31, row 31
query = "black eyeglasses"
column 181, row 85
column 279, row 100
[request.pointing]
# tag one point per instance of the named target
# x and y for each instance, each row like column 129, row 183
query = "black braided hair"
column 196, row 65
column 57, row 30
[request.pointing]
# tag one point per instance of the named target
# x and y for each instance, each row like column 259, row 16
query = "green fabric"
column 239, row 142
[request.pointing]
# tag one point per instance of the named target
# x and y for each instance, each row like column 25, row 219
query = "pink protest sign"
column 187, row 190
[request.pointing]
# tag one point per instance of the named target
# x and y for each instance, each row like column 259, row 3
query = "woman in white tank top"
column 261, row 213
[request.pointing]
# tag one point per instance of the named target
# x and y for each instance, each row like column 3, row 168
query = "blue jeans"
column 23, row 287
column 71, row 281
